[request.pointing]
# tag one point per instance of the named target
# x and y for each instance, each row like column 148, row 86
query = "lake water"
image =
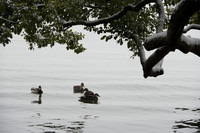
column 128, row 103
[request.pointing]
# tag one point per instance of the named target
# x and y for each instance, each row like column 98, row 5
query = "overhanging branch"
column 155, row 59
column 153, row 65
column 129, row 7
column 155, row 41
column 180, row 17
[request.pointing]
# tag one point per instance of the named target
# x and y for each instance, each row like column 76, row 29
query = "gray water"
column 128, row 103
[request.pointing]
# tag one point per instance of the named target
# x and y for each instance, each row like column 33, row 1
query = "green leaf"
column 109, row 37
column 103, row 37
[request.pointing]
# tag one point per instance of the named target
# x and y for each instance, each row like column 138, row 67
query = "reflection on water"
column 70, row 127
column 37, row 115
column 86, row 117
column 189, row 123
column 76, row 127
column 39, row 101
column 61, row 125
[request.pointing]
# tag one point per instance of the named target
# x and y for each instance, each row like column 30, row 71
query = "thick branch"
column 192, row 26
column 188, row 44
column 155, row 41
column 161, row 13
column 129, row 7
column 181, row 15
column 154, row 68
column 154, row 59
column 171, row 41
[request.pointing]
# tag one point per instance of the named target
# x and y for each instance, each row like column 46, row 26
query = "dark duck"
column 37, row 90
column 79, row 88
column 89, row 97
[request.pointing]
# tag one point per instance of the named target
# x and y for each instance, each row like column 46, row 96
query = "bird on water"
column 89, row 97
column 37, row 90
column 79, row 88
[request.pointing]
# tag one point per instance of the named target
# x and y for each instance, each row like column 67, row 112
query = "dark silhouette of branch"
column 173, row 39
column 154, row 68
column 129, row 7
column 179, row 18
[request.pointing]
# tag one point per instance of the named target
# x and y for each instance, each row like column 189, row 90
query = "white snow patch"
column 190, row 41
column 158, row 35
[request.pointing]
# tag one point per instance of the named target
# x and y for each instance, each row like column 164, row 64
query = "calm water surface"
column 128, row 103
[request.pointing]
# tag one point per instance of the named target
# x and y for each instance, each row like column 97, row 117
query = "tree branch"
column 192, row 26
column 188, row 44
column 154, row 62
column 155, row 41
column 162, row 17
column 153, row 65
column 129, row 7
column 9, row 21
column 155, row 70
column 180, row 17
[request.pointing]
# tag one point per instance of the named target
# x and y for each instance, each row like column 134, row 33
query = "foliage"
column 41, row 21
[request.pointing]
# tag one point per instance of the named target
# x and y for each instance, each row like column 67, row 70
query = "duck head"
column 40, row 87
column 85, row 90
column 82, row 84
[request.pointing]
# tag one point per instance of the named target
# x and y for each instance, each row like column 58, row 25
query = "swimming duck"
column 79, row 88
column 87, row 92
column 37, row 90
column 90, row 98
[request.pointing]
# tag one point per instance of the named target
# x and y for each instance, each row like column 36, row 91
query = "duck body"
column 90, row 98
column 79, row 88
column 37, row 90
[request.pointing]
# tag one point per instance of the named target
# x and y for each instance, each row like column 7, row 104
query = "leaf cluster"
column 40, row 22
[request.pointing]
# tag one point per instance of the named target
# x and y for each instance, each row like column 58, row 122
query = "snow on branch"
column 188, row 44
column 192, row 26
column 156, row 41
column 180, row 17
column 129, row 7
column 153, row 65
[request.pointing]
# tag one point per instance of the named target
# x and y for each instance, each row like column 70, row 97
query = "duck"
column 79, row 88
column 37, row 90
column 87, row 92
column 92, row 98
